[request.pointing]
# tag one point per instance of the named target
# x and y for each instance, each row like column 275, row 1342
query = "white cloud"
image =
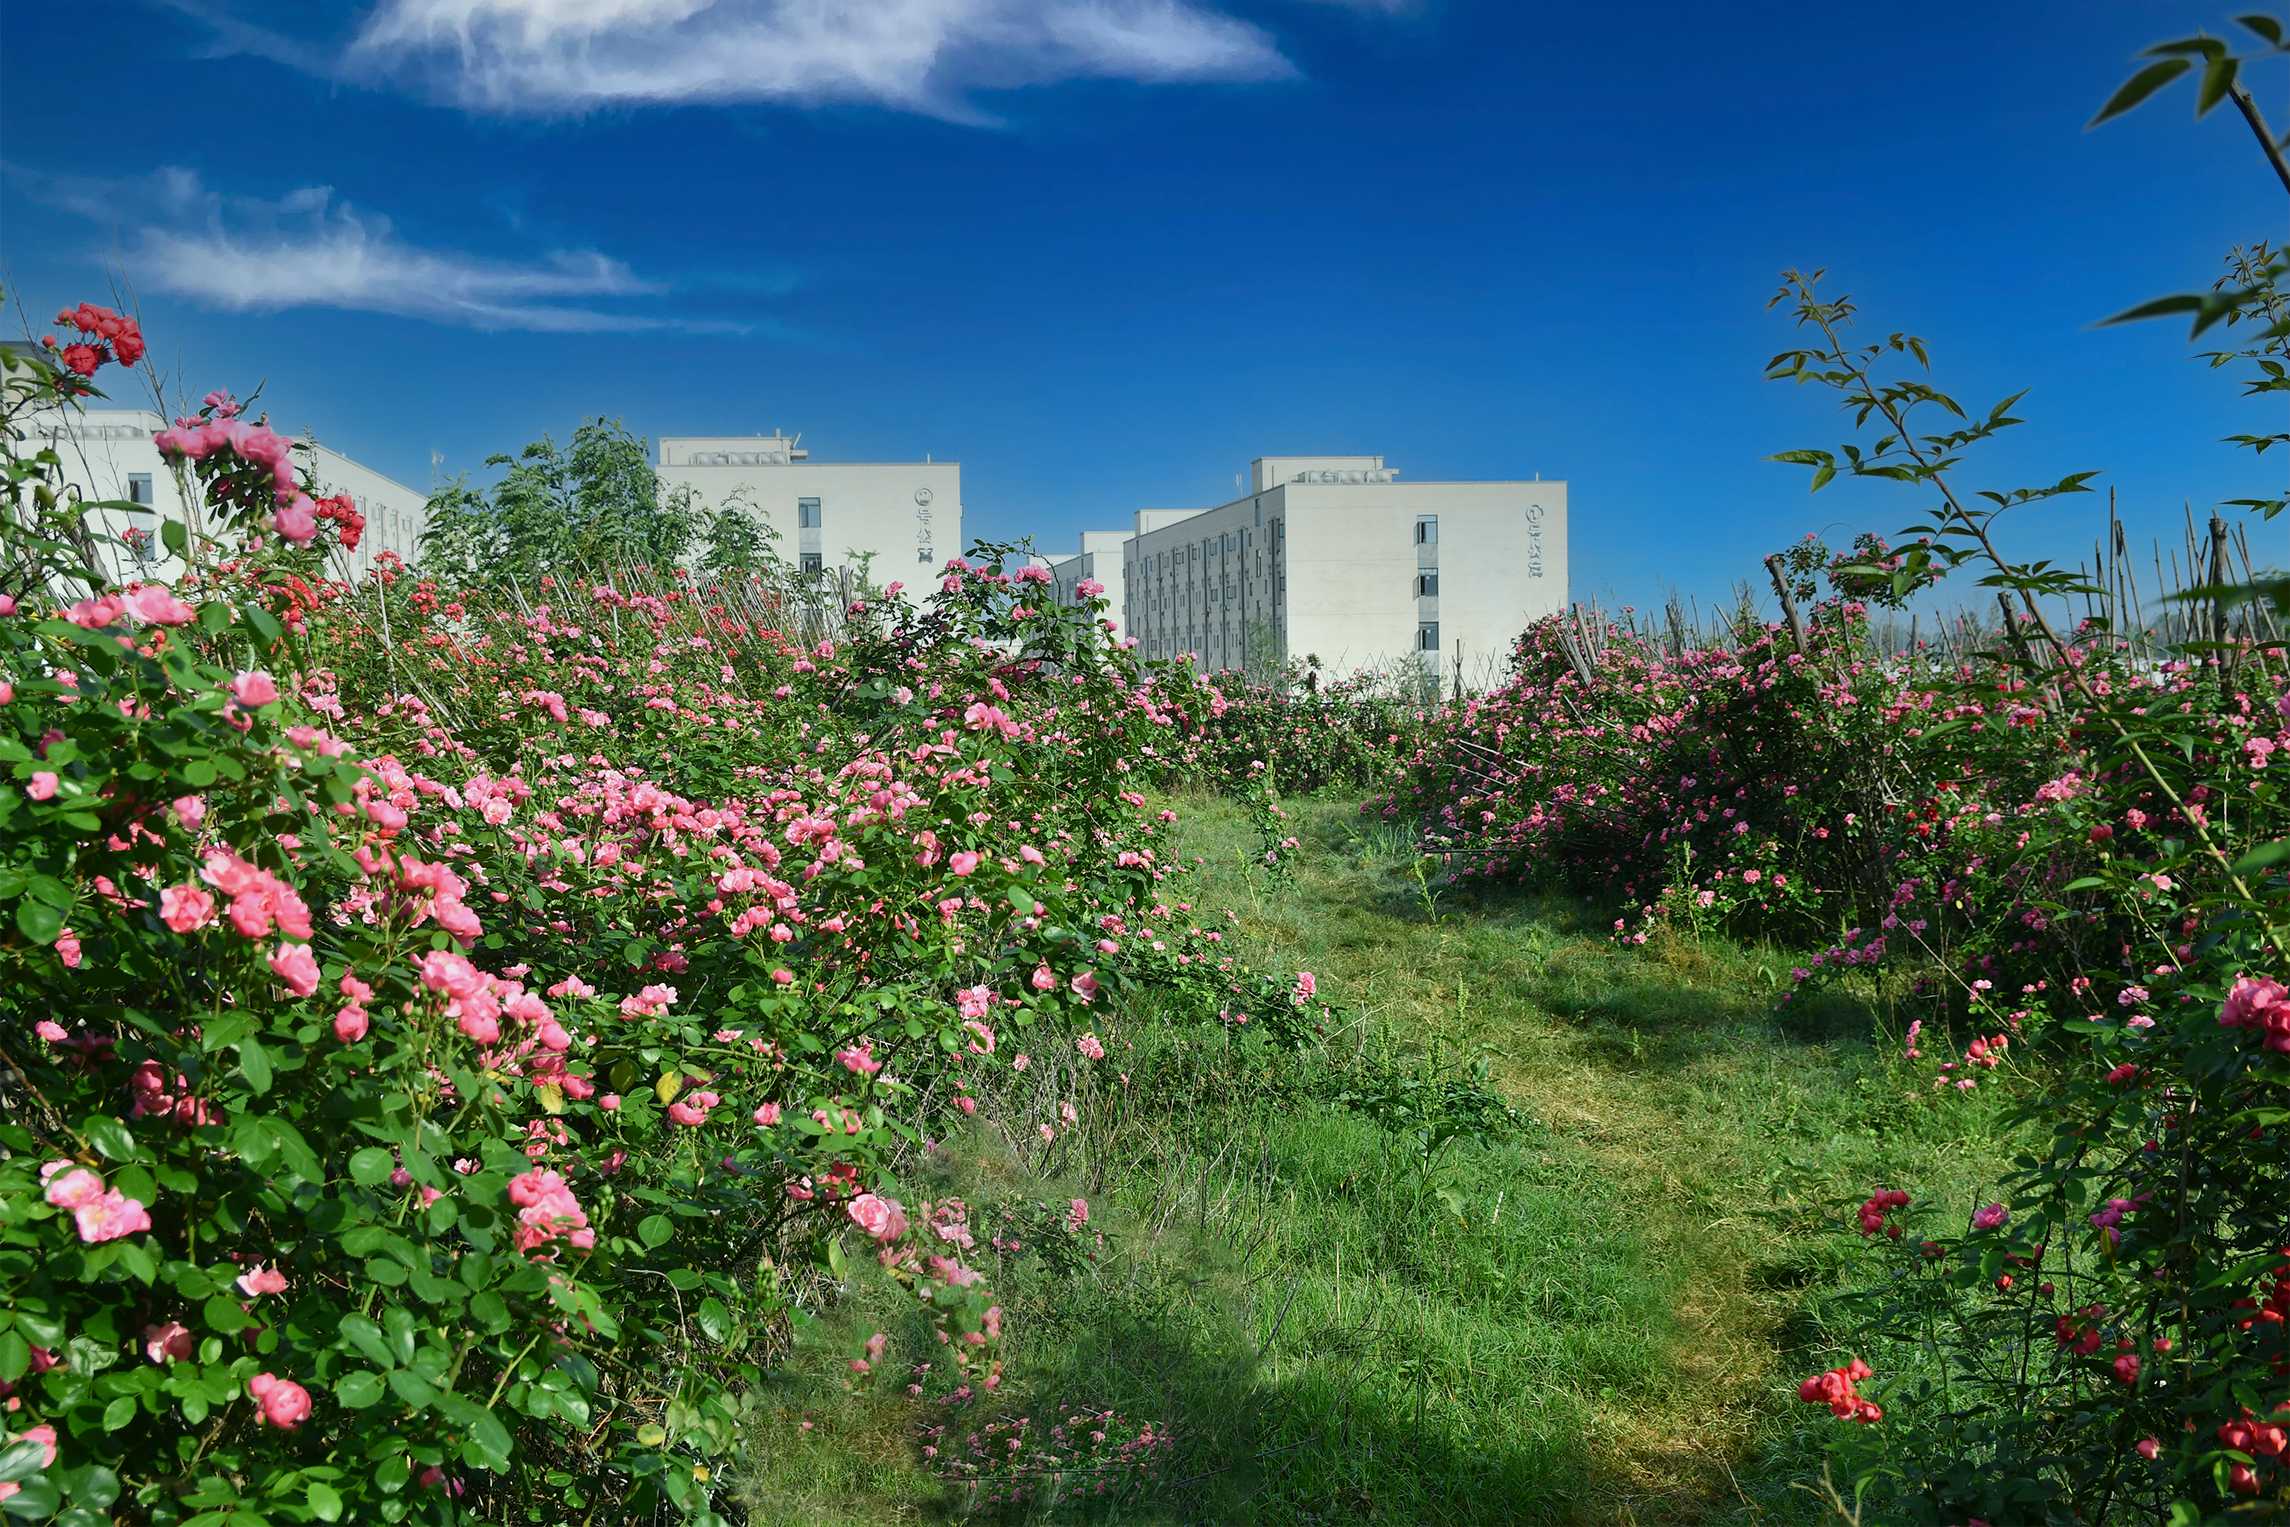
column 918, row 55
column 309, row 249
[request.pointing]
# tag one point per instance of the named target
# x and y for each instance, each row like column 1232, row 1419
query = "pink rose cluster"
column 2260, row 1004
column 547, row 1213
column 281, row 1402
column 102, row 1213
column 258, row 445
column 256, row 900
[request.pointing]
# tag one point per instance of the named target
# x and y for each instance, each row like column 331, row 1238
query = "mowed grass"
column 1600, row 1319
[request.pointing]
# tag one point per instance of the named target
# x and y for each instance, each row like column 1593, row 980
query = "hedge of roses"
column 442, row 1034
column 1312, row 733
column 2066, row 854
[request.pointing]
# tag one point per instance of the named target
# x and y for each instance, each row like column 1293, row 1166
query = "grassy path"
column 1640, row 1265
column 1599, row 1320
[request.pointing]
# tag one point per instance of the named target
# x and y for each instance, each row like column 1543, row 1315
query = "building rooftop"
column 776, row 449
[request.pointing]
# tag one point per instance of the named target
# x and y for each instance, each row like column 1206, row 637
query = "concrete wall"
column 1354, row 563
column 1338, row 570
column 1100, row 558
column 108, row 454
column 908, row 514
column 1208, row 584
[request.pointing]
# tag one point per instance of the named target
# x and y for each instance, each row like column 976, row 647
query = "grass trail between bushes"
column 1599, row 1319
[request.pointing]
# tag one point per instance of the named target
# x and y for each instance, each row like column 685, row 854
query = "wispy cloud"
column 926, row 56
column 311, row 249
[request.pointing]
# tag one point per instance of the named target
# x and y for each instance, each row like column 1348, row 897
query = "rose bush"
column 2058, row 849
column 446, row 1034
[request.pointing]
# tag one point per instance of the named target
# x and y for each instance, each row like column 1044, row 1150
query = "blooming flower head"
column 280, row 1402
column 880, row 1218
column 168, row 1342
column 261, row 1279
column 254, row 690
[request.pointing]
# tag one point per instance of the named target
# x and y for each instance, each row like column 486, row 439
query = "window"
column 139, row 488
column 1427, row 636
column 922, row 554
column 1427, row 530
column 807, row 514
column 1426, row 585
column 813, row 562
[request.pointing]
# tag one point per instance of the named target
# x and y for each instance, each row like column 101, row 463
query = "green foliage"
column 598, row 504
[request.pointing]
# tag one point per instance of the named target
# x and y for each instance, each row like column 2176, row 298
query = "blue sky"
column 1105, row 251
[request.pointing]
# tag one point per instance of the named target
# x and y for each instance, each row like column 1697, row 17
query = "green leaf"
column 254, row 1064
column 221, row 1314
column 109, row 1136
column 38, row 921
column 372, row 1166
column 118, row 1413
column 411, row 1387
column 2218, row 79
column 655, row 1230
column 21, row 1460
column 361, row 1332
column 490, row 1438
column 358, row 1388
column 176, row 537
column 2262, row 857
column 97, row 1488
column 37, row 1499
column 2265, row 26
column 2140, row 86
column 325, row 1501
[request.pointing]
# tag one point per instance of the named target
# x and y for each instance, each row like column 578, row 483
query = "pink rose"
column 282, row 1402
column 70, row 1185
column 110, row 1217
column 261, row 1280
column 297, row 967
column 186, row 908
column 880, row 1218
column 43, row 786
column 169, row 1343
column 294, row 519
column 963, row 863
column 254, row 690
column 155, row 604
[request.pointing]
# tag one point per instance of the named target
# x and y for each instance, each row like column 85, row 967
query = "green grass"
column 1601, row 1319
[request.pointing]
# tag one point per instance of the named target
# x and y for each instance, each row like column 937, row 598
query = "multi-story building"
column 107, row 454
column 1101, row 557
column 903, row 519
column 1334, row 557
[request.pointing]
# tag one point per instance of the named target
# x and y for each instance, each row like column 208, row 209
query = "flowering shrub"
column 1313, row 732
column 443, row 1034
column 2065, row 853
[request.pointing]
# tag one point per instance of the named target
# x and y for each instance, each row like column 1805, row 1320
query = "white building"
column 904, row 519
column 1334, row 557
column 1101, row 557
column 107, row 454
